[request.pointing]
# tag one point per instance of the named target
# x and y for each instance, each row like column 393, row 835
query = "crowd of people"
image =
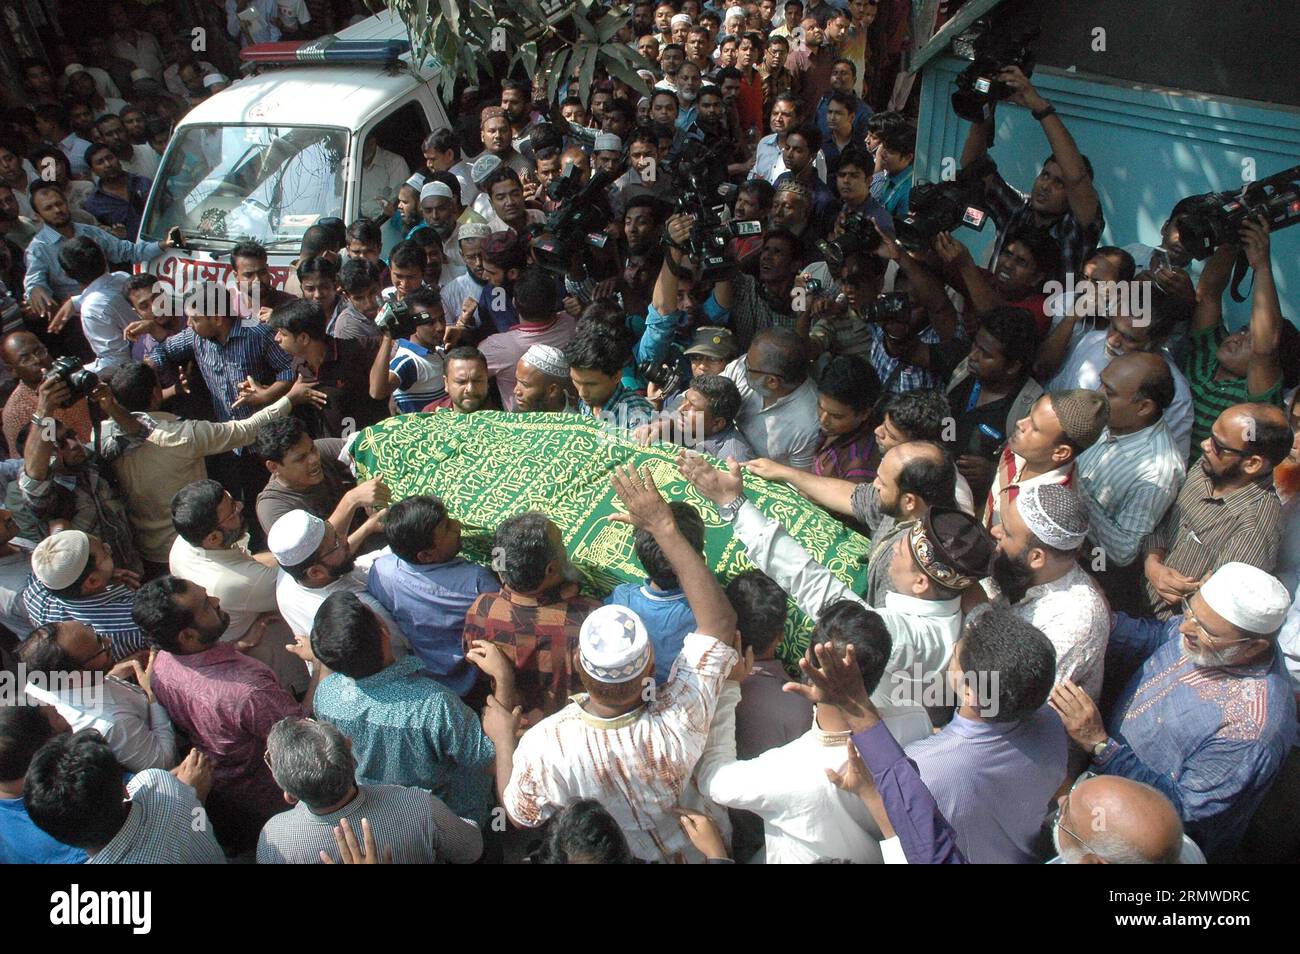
column 1078, row 641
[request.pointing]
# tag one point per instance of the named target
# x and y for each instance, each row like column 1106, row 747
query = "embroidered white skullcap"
column 607, row 142
column 483, row 167
column 431, row 189
column 416, row 181
column 643, row 101
column 214, row 79
column 680, row 18
column 60, row 558
column 613, row 644
column 647, row 76
column 473, row 230
column 548, row 360
column 1247, row 597
column 734, row 12
column 1054, row 514
column 73, row 68
column 295, row 537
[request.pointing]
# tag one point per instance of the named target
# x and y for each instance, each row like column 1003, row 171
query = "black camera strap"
column 1239, row 269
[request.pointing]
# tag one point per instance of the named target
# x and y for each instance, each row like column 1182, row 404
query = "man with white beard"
column 1209, row 716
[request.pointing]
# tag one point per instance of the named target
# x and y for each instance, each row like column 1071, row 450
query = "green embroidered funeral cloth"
column 489, row 465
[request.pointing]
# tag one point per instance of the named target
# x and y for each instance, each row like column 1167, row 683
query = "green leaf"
column 588, row 52
column 450, row 13
column 607, row 26
column 584, row 25
column 624, row 72
column 555, row 71
column 528, row 54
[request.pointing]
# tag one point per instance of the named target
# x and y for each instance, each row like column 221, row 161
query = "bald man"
column 1132, row 475
column 1108, row 820
column 28, row 360
column 1226, row 511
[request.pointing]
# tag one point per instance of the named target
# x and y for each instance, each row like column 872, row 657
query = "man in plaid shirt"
column 1062, row 201
column 536, row 617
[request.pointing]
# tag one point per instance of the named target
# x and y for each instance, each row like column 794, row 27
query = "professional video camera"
column 857, row 235
column 578, row 223
column 698, row 174
column 398, row 319
column 936, row 207
column 1215, row 218
column 80, row 382
column 991, row 51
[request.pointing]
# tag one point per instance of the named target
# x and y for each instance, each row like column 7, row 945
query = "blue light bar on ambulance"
column 327, row 49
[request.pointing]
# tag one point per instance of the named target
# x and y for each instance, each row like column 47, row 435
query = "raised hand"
column 646, row 507
column 722, row 487
column 835, row 680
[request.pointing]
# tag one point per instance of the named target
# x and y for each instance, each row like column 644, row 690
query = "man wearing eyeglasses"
column 1226, row 511
column 74, row 671
column 1142, row 826
column 1209, row 716
column 778, row 401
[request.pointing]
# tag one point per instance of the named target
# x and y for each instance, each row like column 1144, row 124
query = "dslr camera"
column 80, row 382
column 889, row 307
column 1215, row 218
column 936, row 207
column 990, row 51
column 664, row 375
column 397, row 319
column 858, row 235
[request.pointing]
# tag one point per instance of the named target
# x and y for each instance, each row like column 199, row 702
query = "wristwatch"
column 728, row 511
column 1100, row 747
column 1041, row 114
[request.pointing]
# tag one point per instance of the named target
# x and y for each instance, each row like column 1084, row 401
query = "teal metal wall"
column 1149, row 148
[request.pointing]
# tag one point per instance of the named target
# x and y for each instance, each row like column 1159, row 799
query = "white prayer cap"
column 1247, row 597
column 214, row 79
column 680, row 18
column 734, row 12
column 431, row 189
column 295, row 537
column 548, row 360
column 60, row 558
column 607, row 142
column 73, row 68
column 646, row 75
column 473, row 230
column 1054, row 514
column 139, row 74
column 613, row 644
column 416, row 181
column 483, row 167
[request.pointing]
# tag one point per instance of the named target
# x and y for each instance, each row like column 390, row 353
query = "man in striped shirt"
column 1227, row 510
column 411, row 370
column 1130, row 477
column 1246, row 366
column 241, row 364
column 73, row 577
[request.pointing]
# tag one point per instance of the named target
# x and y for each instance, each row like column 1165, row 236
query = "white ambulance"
column 280, row 151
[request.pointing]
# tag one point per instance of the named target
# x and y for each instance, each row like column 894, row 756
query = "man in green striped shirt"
column 1243, row 367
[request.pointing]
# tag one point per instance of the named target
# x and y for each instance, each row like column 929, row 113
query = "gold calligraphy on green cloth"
column 491, row 465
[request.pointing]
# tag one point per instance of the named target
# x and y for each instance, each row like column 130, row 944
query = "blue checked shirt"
column 910, row 377
column 249, row 351
column 44, row 270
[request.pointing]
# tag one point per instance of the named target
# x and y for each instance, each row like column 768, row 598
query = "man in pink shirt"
column 224, row 701
column 540, row 322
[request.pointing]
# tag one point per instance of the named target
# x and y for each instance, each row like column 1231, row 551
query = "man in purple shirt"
column 224, row 701
column 995, row 767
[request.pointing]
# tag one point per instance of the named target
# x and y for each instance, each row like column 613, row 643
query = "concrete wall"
column 1149, row 147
